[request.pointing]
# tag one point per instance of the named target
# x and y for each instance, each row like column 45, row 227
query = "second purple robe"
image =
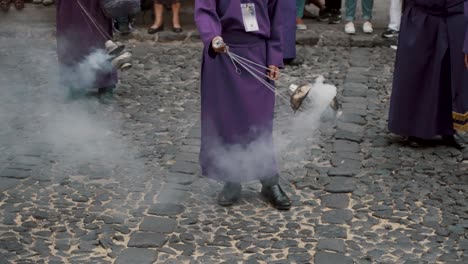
column 237, row 110
column 78, row 36
column 288, row 9
column 429, row 73
column 465, row 47
column 460, row 114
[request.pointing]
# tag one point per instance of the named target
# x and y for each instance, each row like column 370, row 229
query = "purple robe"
column 236, row 109
column 288, row 9
column 465, row 48
column 78, row 36
column 429, row 73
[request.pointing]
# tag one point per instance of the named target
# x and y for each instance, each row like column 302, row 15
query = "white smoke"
column 246, row 162
column 35, row 111
column 84, row 74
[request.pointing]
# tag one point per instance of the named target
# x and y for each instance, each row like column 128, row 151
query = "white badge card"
column 250, row 17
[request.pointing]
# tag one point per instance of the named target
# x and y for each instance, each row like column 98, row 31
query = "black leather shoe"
column 276, row 196
column 453, row 141
column 415, row 142
column 152, row 31
column 177, row 29
column 230, row 194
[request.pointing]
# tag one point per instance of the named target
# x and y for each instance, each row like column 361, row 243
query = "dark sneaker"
column 123, row 28
column 335, row 18
column 230, row 194
column 324, row 15
column 276, row 197
column 390, row 33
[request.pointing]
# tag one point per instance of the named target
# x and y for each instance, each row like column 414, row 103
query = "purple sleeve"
column 465, row 46
column 207, row 20
column 274, row 46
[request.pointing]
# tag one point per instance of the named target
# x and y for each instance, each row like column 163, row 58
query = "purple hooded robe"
column 78, row 36
column 465, row 47
column 236, row 109
column 288, row 8
column 430, row 82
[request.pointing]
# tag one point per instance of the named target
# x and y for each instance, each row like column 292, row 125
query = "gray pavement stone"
column 158, row 224
column 355, row 89
column 347, row 135
column 331, row 258
column 345, row 146
column 341, row 185
column 338, row 201
column 339, row 160
column 337, row 216
column 344, row 171
column 299, row 258
column 336, row 245
column 147, row 240
column 353, row 119
column 331, row 231
column 166, row 209
column 352, row 128
column 169, row 195
column 137, row 255
column 185, row 167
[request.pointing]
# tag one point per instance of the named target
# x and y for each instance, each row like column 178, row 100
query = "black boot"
column 230, row 194
column 276, row 196
column 452, row 141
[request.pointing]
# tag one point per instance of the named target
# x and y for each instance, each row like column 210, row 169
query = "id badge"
column 250, row 17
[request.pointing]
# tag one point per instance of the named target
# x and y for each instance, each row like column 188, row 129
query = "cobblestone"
column 359, row 195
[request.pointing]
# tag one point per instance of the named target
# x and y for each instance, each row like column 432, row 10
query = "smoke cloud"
column 38, row 118
column 256, row 160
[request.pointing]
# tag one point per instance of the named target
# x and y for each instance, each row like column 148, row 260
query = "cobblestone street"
column 87, row 182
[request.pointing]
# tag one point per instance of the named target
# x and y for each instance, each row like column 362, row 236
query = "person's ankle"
column 156, row 25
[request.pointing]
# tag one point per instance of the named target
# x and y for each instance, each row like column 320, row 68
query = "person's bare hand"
column 218, row 45
column 466, row 61
column 273, row 73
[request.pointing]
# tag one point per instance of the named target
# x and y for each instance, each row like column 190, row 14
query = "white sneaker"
column 350, row 29
column 48, row 2
column 301, row 26
column 367, row 28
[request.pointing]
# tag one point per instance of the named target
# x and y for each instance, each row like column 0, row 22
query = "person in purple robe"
column 461, row 113
column 288, row 8
column 236, row 108
column 430, row 81
column 82, row 28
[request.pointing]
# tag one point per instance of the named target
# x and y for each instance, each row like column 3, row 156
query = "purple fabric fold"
column 78, row 36
column 465, row 45
column 237, row 109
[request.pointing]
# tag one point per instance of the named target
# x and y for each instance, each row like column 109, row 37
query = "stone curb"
column 306, row 38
